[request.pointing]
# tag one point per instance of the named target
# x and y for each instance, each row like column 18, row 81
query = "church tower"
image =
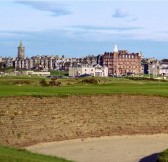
column 21, row 51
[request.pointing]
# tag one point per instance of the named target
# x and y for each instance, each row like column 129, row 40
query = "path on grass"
column 136, row 148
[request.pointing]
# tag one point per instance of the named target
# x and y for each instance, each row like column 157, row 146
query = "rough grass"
column 8, row 154
column 163, row 157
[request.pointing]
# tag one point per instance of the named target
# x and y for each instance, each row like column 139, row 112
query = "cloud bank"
column 56, row 9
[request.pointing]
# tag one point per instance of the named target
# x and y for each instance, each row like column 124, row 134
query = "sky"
column 84, row 27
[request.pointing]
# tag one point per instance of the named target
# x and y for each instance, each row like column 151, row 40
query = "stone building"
column 153, row 68
column 21, row 51
column 121, row 62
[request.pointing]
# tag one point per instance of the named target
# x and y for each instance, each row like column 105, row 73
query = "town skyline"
column 80, row 28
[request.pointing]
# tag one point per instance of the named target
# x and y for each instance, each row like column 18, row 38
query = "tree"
column 57, row 57
column 43, row 83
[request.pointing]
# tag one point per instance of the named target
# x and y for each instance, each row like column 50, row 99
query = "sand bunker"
column 106, row 149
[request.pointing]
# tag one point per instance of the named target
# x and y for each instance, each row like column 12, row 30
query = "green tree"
column 57, row 57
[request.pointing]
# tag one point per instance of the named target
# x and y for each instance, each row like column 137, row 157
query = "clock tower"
column 21, row 51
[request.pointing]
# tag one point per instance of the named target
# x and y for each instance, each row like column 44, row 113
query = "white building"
column 163, row 69
column 97, row 70
column 39, row 73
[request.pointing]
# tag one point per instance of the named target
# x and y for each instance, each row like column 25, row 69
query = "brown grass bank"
column 29, row 120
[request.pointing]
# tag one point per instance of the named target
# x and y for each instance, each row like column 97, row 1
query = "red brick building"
column 121, row 62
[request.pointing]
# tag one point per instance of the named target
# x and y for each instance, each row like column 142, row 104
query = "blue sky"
column 79, row 28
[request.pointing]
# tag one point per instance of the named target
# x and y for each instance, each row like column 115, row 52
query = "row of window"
column 122, row 56
column 120, row 60
column 92, row 70
column 128, row 67
column 124, row 66
column 120, row 64
column 128, row 56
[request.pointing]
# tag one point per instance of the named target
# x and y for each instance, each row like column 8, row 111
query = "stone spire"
column 115, row 49
column 21, row 44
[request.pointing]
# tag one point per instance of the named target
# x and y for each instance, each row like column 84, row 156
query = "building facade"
column 118, row 62
column 121, row 62
column 97, row 70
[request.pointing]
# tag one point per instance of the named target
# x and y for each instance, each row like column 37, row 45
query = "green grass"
column 59, row 73
column 8, row 154
column 76, row 87
column 163, row 157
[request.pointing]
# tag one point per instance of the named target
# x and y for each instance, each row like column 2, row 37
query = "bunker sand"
column 105, row 149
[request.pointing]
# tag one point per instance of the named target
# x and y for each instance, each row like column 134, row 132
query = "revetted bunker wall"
column 28, row 120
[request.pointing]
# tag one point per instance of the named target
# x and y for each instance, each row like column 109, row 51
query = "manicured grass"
column 8, row 87
column 163, row 157
column 8, row 154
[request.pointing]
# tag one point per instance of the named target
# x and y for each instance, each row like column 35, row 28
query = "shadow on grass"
column 150, row 158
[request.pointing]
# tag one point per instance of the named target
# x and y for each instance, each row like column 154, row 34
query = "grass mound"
column 163, row 157
column 90, row 80
column 8, row 154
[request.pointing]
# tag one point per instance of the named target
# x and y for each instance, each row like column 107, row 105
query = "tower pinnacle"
column 21, row 44
column 115, row 48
